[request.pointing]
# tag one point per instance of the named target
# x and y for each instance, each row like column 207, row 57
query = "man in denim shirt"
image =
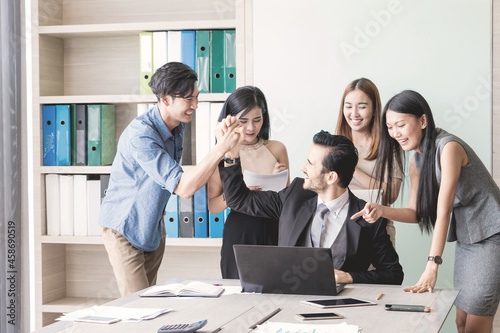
column 146, row 171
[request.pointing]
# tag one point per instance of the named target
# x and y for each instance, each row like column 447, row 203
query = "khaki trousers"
column 134, row 269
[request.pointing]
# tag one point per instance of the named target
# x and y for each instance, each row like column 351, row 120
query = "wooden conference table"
column 238, row 312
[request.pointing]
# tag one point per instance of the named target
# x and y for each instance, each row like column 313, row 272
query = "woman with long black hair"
column 259, row 155
column 451, row 190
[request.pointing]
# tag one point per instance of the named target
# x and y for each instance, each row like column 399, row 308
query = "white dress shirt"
column 334, row 220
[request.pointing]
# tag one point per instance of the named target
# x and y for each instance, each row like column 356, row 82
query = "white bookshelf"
column 196, row 242
column 88, row 52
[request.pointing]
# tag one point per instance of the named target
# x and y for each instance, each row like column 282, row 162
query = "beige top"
column 368, row 167
column 257, row 158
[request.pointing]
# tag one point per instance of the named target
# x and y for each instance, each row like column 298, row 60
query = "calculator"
column 182, row 328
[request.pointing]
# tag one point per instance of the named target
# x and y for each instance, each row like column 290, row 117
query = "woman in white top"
column 259, row 155
column 359, row 120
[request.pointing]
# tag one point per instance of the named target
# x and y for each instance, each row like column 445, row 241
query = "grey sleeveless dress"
column 475, row 226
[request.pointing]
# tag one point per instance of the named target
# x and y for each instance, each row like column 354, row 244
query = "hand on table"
column 426, row 282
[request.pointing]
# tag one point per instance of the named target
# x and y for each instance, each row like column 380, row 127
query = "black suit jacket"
column 367, row 243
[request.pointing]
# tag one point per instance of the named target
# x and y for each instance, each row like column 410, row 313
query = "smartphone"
column 319, row 315
column 98, row 320
column 337, row 302
column 410, row 308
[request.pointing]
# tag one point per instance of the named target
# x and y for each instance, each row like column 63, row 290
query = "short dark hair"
column 174, row 79
column 342, row 158
column 245, row 99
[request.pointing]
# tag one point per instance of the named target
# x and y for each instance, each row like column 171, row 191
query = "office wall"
column 496, row 93
column 306, row 52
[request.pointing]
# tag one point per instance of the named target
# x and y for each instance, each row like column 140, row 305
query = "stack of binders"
column 211, row 53
column 187, row 218
column 73, row 204
column 79, row 134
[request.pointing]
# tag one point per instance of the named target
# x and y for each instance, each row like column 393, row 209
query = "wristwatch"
column 437, row 259
column 231, row 160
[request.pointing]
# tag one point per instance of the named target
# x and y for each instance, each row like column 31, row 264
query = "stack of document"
column 271, row 327
column 123, row 313
column 267, row 182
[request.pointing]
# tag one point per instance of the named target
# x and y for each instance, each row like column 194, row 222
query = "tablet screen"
column 338, row 302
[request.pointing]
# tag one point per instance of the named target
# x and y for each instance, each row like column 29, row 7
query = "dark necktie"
column 318, row 224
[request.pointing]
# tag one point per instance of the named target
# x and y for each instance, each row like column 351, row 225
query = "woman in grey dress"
column 451, row 190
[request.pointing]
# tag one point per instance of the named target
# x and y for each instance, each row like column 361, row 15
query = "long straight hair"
column 411, row 102
column 343, row 128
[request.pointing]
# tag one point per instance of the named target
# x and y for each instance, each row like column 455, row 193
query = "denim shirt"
column 144, row 173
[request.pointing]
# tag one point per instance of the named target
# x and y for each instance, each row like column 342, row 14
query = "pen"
column 217, row 284
column 254, row 326
column 379, row 296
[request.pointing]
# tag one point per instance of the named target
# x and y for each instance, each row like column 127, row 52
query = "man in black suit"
column 328, row 171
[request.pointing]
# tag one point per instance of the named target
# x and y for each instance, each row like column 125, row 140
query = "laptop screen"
column 285, row 269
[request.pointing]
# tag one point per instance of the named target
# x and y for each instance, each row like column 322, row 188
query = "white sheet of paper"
column 124, row 313
column 273, row 182
column 271, row 327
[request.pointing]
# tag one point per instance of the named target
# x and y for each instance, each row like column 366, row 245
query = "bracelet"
column 231, row 160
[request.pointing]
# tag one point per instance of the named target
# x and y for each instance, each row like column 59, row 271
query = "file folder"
column 226, row 213
column 80, row 205
column 101, row 135
column 229, row 61
column 49, row 134
column 174, row 46
column 186, row 217
column 217, row 61
column 94, row 135
column 142, row 108
column 72, row 110
column 81, row 134
column 189, row 144
column 215, row 110
column 66, row 204
column 216, row 225
column 63, row 139
column 200, row 213
column 146, row 61
column 104, row 186
column 188, row 48
column 108, row 134
column 159, row 49
column 93, row 205
column 203, row 133
column 53, row 202
column 172, row 217
column 203, row 60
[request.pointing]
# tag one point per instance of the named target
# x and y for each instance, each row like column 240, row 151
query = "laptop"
column 286, row 270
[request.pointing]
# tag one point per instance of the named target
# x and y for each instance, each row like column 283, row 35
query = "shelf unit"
column 88, row 52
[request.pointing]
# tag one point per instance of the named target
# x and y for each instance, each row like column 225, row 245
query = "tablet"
column 338, row 302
